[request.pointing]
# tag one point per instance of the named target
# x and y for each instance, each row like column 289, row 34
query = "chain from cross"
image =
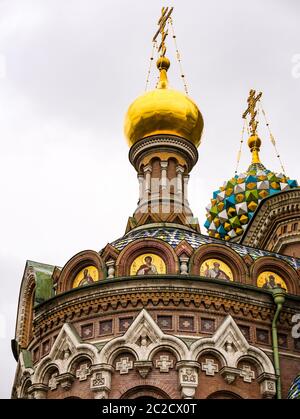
column 165, row 14
column 252, row 101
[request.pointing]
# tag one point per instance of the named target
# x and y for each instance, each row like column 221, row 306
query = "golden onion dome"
column 163, row 111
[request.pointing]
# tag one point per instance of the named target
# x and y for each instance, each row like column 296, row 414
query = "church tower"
column 163, row 128
column 165, row 311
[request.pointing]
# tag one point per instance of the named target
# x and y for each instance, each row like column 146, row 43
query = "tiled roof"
column 174, row 236
column 294, row 392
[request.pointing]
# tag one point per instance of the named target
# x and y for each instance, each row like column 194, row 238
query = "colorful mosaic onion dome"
column 234, row 203
column 294, row 391
column 163, row 111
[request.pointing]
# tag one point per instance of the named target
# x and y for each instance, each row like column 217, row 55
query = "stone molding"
column 170, row 142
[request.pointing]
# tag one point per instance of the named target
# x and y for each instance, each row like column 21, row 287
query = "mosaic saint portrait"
column 270, row 280
column 148, row 264
column 86, row 276
column 216, row 269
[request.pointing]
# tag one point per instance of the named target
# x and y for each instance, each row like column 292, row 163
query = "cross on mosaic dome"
column 234, row 204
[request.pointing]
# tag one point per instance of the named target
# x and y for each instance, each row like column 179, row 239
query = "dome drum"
column 168, row 143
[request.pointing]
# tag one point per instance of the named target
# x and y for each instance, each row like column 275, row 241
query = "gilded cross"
column 165, row 14
column 251, row 110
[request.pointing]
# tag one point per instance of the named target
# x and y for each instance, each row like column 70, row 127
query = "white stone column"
column 147, row 172
column 101, row 380
column 267, row 385
column 183, row 264
column 179, row 190
column 165, row 188
column 164, row 180
column 186, row 179
column 38, row 391
column 188, row 378
column 110, row 268
column 141, row 187
column 179, row 172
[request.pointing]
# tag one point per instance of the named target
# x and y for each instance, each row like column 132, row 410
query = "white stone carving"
column 231, row 344
column 98, row 379
column 82, row 372
column 124, row 365
column 188, row 378
column 184, row 265
column 247, row 373
column 110, row 268
column 52, row 384
column 189, row 375
column 164, row 363
column 210, row 367
column 143, row 337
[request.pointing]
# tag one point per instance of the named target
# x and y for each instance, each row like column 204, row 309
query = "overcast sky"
column 69, row 70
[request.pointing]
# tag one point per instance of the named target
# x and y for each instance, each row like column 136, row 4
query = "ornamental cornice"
column 123, row 299
column 170, row 141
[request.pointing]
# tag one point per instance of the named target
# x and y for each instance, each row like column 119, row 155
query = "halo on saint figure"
column 148, row 264
column 270, row 280
column 216, row 269
column 86, row 276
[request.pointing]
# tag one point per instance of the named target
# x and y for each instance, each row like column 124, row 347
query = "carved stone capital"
column 267, row 385
column 188, row 377
column 143, row 367
column 101, row 380
column 38, row 391
column 66, row 380
column 229, row 374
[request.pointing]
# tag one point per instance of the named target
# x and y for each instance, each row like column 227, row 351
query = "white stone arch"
column 258, row 358
column 143, row 337
column 229, row 341
column 66, row 348
column 42, row 369
column 117, row 350
column 170, row 346
column 78, row 357
column 207, row 350
column 24, row 386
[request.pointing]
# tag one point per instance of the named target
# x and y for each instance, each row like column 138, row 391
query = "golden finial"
column 163, row 63
column 254, row 141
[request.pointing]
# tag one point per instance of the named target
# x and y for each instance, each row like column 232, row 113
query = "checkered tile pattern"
column 174, row 236
column 234, row 203
column 294, row 392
